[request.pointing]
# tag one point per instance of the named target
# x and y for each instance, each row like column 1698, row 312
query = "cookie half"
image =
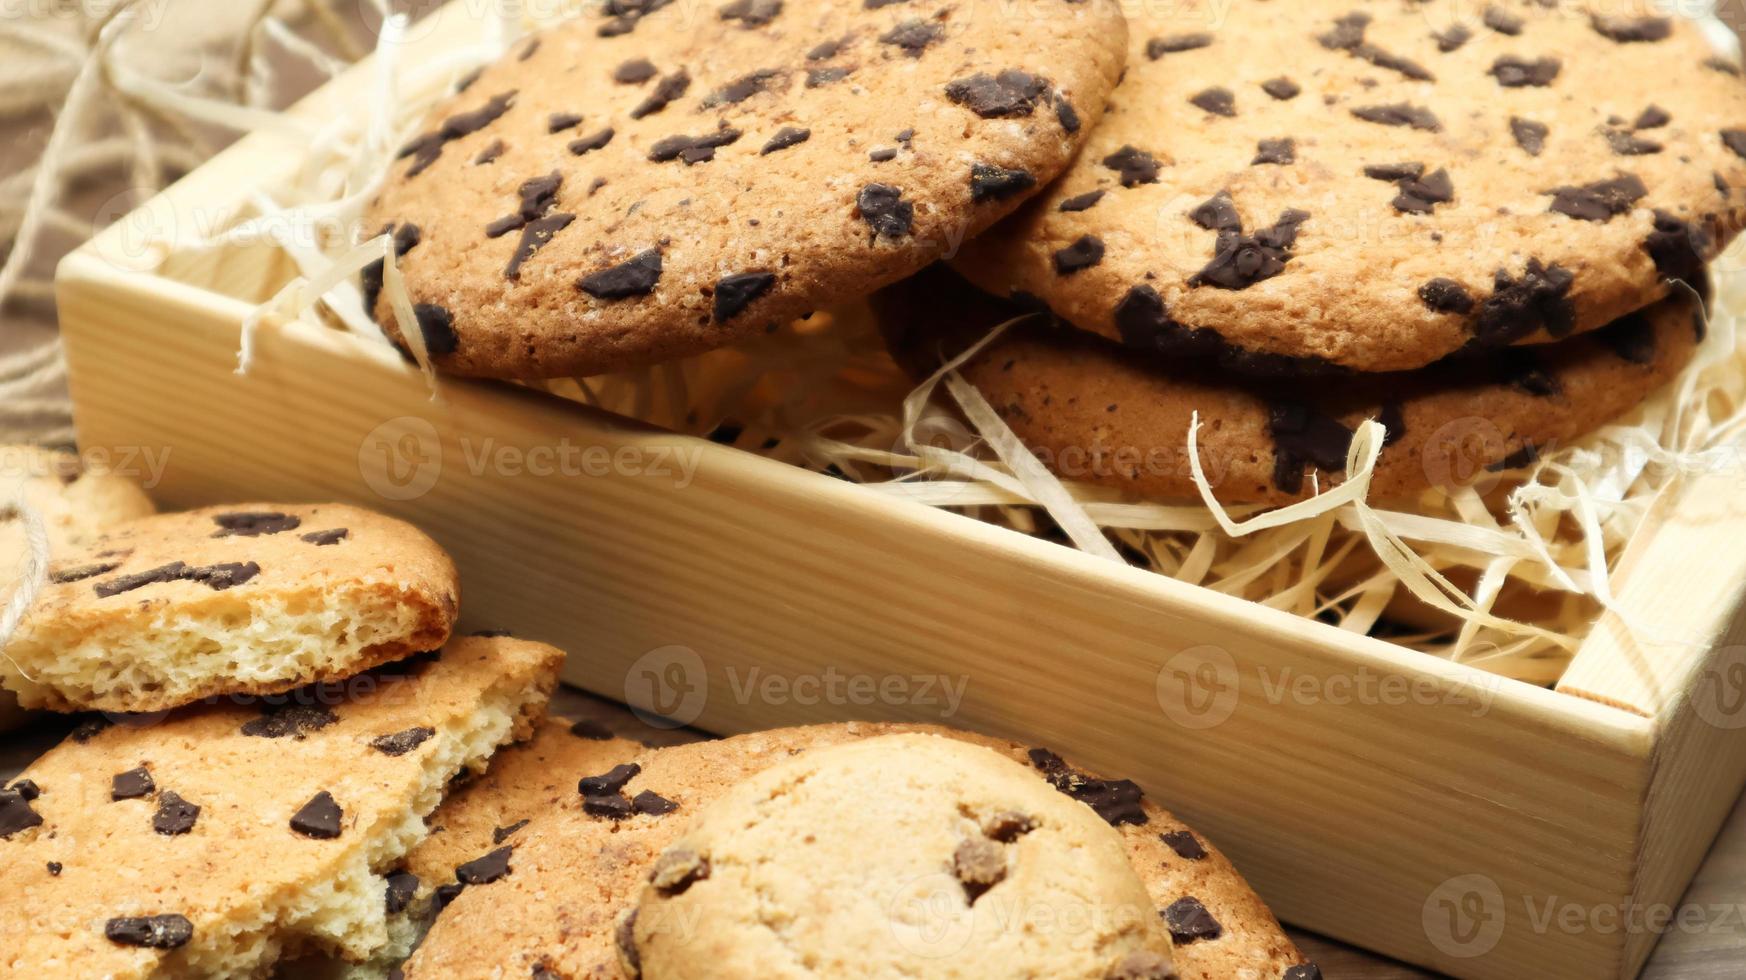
column 580, row 869
column 210, row 842
column 1313, row 186
column 898, row 856
column 656, row 180
column 1095, row 412
column 244, row 599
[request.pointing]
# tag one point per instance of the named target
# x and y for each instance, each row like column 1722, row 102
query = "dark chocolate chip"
column 402, row 886
column 1599, row 201
column 1084, row 253
column 1279, row 151
column 437, row 326
column 400, row 743
column 1189, row 921
column 427, row 147
column 1066, row 115
column 557, row 122
column 1628, row 144
column 319, row 818
column 1393, row 422
column 979, row 864
column 635, row 277
column 485, row 870
column 1453, row 38
column 1530, row 135
column 734, row 293
column 331, row 536
column 1521, row 368
column 1394, row 172
column 1514, row 72
column 608, row 782
column 444, row 894
column 743, row 88
column 613, row 806
column 912, row 36
column 1421, row 196
column 676, row 870
column 1303, row 436
column 1240, row 261
column 1735, row 140
column 652, row 804
column 1517, row 307
column 824, row 50
column 1347, row 33
column 1134, row 166
column 1158, row 47
column 1217, row 213
column 1446, row 296
column 254, row 525
column 1678, row 248
column 491, row 152
column 27, row 789
column 594, row 731
column 824, row 76
column 534, row 237
column 89, row 730
column 132, row 784
column 634, row 72
column 670, row 87
column 883, row 154
column 79, row 573
column 1216, row 100
column 150, row 931
column 591, row 142
column 1117, row 801
column 1626, row 30
column 991, row 183
column 626, row 14
column 55, row 869
column 1010, row 93
column 886, row 212
column 502, row 834
column 1652, row 117
column 785, row 137
column 175, row 815
column 752, row 13
column 216, row 577
column 1502, row 21
column 290, row 718
column 1399, row 114
column 1281, row 88
column 16, row 813
column 1184, row 844
column 1522, row 457
column 1631, row 337
column 1082, row 202
column 403, row 239
column 692, row 150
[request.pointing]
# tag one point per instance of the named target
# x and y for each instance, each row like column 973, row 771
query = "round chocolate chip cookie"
column 655, row 180
column 898, row 856
column 1095, row 412
column 1323, row 184
column 580, row 868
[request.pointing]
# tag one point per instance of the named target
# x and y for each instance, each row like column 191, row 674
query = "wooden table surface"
column 1715, row 953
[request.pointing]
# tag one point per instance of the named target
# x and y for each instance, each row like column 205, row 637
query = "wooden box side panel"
column 737, row 594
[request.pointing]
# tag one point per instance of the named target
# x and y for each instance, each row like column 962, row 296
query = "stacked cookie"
column 282, row 705
column 1485, row 228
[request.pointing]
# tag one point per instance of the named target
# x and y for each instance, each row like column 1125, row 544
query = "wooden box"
column 1481, row 826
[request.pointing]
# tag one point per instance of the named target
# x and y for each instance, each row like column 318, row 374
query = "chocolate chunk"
column 1678, row 248
column 502, row 834
column 692, row 150
column 886, row 212
column 16, row 813
column 1281, row 88
column 1133, row 166
column 979, row 864
column 883, row 154
column 331, row 536
column 491, row 152
column 1008, row 826
column 1530, row 135
column 150, row 931
column 1735, row 139
column 89, row 730
column 1010, row 93
column 1632, row 337
column 634, row 72
column 1652, row 117
column 27, row 789
column 1517, row 307
column 1217, row 213
column 1453, row 38
column 670, row 87
column 824, row 76
column 295, row 720
column 626, row 14
column 444, row 894
column 402, row 886
column 1279, row 151
column 635, row 277
column 1158, row 47
column 611, row 781
column 1422, row 195
column 743, row 88
column 1446, row 296
column 1627, row 144
column 533, row 237
column 319, row 818
column 437, row 326
column 1117, row 801
column 734, row 293
column 1348, row 32
column 1626, row 30
column 485, row 870
column 913, row 36
column 54, row 868
column 216, row 577
column 824, row 50
column 402, row 240
column 400, row 743
column 1348, row 36
column 752, row 13
column 991, row 183
column 132, row 784
column 1393, row 422
column 591, row 142
column 1065, row 114
column 1522, row 457
column 613, row 806
column 676, row 870
column 79, row 573
column 1240, row 261
column 1184, row 844
column 1599, row 201
column 1521, row 369
column 557, row 122
column 1081, row 202
column 785, row 137
column 1082, row 254
column 1399, row 114
column 1216, row 100
column 594, row 731
column 1142, row 964
column 1502, row 21
column 1394, row 172
column 426, row 148
column 1303, row 971
column 652, row 804
column 1303, row 436
column 175, row 815
column 1189, row 921
column 1513, row 72
column 254, row 525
